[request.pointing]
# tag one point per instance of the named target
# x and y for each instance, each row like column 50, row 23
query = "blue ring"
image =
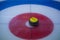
column 7, row 4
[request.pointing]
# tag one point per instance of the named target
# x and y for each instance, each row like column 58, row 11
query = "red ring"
column 18, row 28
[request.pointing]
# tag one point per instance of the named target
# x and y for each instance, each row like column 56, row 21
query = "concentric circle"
column 10, row 12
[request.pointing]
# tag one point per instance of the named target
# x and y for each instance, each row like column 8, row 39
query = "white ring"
column 8, row 13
